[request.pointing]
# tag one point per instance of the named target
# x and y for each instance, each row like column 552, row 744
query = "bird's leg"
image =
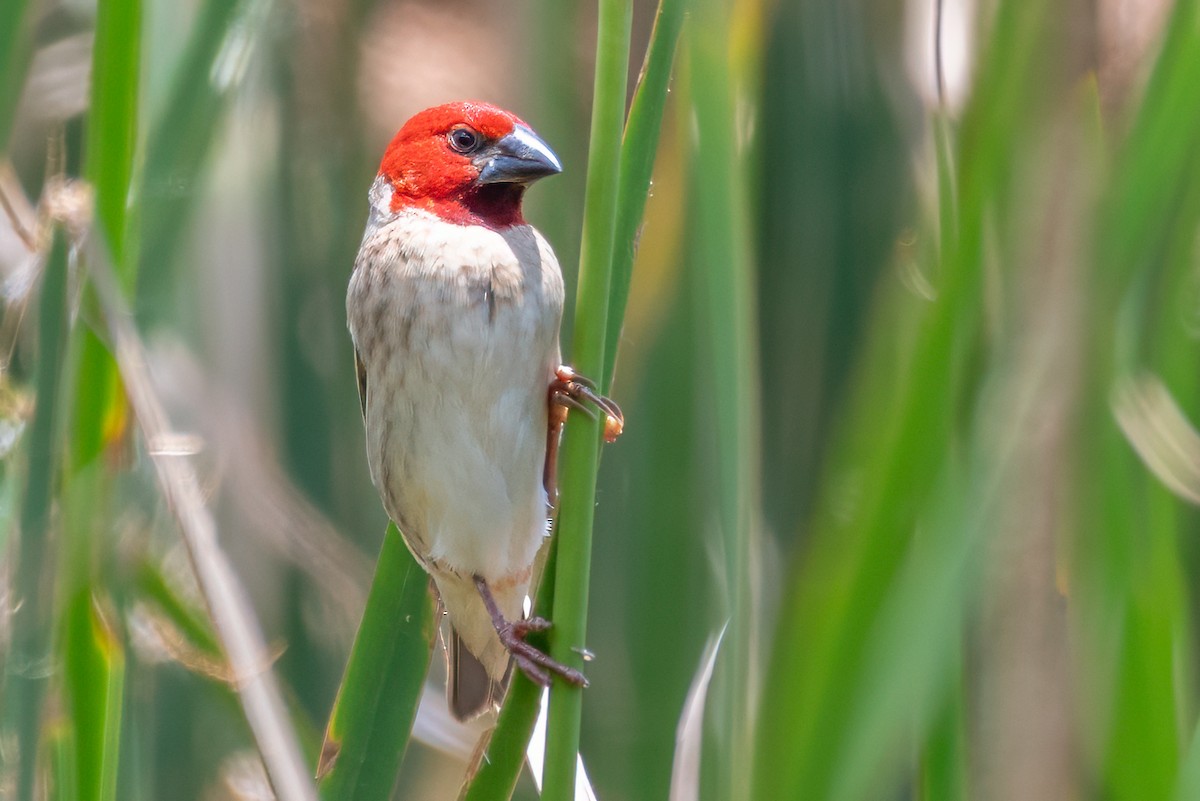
column 536, row 664
column 558, row 416
column 568, row 391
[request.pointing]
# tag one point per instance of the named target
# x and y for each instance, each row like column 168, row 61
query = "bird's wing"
column 360, row 371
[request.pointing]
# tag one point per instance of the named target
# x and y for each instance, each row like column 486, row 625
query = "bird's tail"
column 469, row 688
column 478, row 664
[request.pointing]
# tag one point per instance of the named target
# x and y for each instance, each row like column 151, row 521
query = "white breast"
column 457, row 328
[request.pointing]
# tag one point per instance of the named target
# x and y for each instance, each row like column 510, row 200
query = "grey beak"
column 519, row 158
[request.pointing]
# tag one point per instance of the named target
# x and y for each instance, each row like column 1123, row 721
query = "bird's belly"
column 457, row 433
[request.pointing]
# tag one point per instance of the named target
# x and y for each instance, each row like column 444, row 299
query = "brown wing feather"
column 360, row 371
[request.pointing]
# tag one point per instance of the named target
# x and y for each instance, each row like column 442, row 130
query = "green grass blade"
column 581, row 444
column 831, row 611
column 901, row 687
column 92, row 654
column 1163, row 136
column 112, row 122
column 94, row 668
column 153, row 585
column 9, row 503
column 1154, row 651
column 639, row 146
column 59, row 747
column 499, row 765
column 558, row 114
column 26, row 676
column 16, row 43
column 943, row 769
column 1187, row 788
column 726, row 313
column 372, row 717
column 99, row 414
column 178, row 143
column 1135, row 616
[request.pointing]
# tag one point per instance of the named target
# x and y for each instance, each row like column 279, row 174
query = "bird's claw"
column 526, row 626
column 533, row 662
column 569, row 390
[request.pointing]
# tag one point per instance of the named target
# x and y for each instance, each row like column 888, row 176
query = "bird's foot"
column 569, row 390
column 533, row 662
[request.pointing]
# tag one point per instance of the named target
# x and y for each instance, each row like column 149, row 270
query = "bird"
column 454, row 307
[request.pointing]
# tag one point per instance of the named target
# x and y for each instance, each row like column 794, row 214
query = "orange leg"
column 569, row 391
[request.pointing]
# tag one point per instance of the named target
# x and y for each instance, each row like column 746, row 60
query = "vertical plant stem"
column 828, row 617
column 582, row 443
column 112, row 122
column 25, row 668
column 92, row 652
column 638, row 149
column 499, row 766
column 727, row 317
column 99, row 413
column 377, row 701
column 177, row 146
column 16, row 20
column 95, row 673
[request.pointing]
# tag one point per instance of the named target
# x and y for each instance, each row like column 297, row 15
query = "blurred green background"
column 909, row 368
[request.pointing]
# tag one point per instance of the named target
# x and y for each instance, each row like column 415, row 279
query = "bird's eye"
column 464, row 140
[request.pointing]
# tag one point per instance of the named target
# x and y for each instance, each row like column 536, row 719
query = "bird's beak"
column 521, row 157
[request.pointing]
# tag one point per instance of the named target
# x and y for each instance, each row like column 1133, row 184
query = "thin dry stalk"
column 233, row 619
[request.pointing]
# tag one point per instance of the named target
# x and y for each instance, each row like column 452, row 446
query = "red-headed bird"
column 454, row 307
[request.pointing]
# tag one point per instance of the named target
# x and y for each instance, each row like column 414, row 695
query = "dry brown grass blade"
column 232, row 617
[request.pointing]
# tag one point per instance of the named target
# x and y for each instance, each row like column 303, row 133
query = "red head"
column 466, row 162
